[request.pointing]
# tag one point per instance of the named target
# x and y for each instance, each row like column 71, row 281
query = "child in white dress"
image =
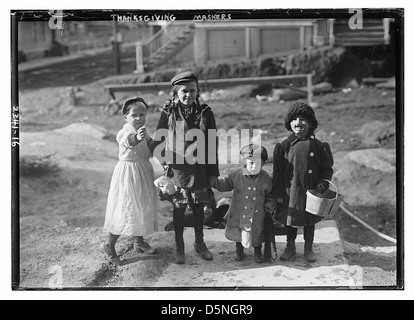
column 132, row 197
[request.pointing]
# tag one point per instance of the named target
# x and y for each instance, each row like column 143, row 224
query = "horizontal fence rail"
column 287, row 80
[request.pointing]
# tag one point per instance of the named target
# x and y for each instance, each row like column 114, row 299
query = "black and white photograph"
column 207, row 150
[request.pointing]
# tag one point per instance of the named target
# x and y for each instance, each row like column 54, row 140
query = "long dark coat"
column 299, row 165
column 191, row 176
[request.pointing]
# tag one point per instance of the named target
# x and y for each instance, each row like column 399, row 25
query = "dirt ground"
column 77, row 152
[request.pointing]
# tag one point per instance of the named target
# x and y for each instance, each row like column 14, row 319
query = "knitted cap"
column 304, row 110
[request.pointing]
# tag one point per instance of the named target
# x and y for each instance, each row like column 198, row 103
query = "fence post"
column 315, row 38
column 302, row 38
column 331, row 23
column 386, row 27
column 309, row 88
column 140, row 57
column 248, row 43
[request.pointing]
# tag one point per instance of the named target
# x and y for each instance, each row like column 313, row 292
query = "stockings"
column 308, row 233
column 179, row 223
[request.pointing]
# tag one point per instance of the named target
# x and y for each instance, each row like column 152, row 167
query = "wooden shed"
column 199, row 42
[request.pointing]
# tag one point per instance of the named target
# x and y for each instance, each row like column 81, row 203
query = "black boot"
column 239, row 251
column 199, row 245
column 308, row 235
column 108, row 248
column 258, row 254
column 289, row 252
column 268, row 251
column 180, row 257
column 179, row 222
column 310, row 256
column 201, row 248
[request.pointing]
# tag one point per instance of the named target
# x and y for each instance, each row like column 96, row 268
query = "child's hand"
column 142, row 133
column 279, row 200
column 213, row 181
column 269, row 206
column 320, row 188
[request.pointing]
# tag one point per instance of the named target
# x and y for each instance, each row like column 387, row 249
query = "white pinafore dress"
column 132, row 196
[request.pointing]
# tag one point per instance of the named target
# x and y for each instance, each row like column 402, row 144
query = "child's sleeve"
column 225, row 184
column 212, row 168
column 269, row 194
column 125, row 138
column 278, row 180
column 151, row 144
column 326, row 169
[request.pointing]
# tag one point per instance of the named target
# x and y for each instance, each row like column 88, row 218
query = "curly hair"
column 304, row 110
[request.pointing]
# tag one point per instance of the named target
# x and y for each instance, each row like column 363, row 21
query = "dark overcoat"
column 185, row 175
column 299, row 165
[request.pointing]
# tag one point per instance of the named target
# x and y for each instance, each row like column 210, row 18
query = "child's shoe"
column 289, row 252
column 142, row 246
column 201, row 248
column 180, row 257
column 239, row 251
column 310, row 256
column 258, row 254
column 110, row 254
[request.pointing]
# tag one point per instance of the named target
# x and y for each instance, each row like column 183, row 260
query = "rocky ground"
column 68, row 153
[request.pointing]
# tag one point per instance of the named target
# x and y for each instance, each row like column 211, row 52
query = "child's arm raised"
column 137, row 138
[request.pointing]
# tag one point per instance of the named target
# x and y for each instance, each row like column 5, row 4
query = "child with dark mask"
column 300, row 163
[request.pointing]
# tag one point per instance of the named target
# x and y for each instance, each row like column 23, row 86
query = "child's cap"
column 130, row 101
column 184, row 77
column 253, row 150
column 301, row 109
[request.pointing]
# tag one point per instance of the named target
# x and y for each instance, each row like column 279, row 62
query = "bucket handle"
column 336, row 189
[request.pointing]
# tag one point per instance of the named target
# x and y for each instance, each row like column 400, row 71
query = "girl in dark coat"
column 300, row 163
column 192, row 163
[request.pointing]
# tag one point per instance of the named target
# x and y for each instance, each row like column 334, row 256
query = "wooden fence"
column 285, row 80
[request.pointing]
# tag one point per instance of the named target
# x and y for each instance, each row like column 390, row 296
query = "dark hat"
column 251, row 150
column 130, row 101
column 184, row 77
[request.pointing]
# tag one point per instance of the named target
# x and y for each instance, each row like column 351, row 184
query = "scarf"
column 173, row 112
